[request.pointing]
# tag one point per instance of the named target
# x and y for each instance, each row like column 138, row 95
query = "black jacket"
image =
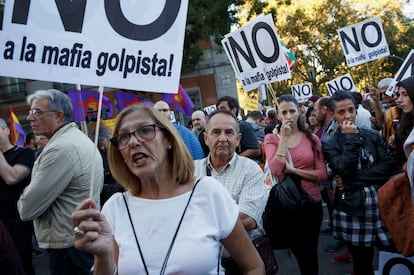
column 341, row 151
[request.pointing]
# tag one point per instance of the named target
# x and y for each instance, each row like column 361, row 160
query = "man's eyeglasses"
column 37, row 112
column 142, row 134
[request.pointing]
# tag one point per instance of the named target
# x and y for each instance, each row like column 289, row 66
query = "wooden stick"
column 98, row 122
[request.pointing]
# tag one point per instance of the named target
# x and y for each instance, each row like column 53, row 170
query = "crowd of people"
column 84, row 203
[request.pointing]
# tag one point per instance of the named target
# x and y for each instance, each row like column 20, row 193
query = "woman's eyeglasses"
column 142, row 134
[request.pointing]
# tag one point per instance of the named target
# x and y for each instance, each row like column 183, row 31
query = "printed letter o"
column 141, row 32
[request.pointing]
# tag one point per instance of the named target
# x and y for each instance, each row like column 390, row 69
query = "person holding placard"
column 167, row 222
column 61, row 180
column 386, row 111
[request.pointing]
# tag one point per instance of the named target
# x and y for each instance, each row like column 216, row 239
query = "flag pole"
column 98, row 122
column 369, row 75
column 273, row 94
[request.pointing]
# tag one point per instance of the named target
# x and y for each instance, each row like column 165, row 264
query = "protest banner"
column 256, row 54
column 102, row 43
column 406, row 70
column 302, row 92
column 342, row 83
column 363, row 42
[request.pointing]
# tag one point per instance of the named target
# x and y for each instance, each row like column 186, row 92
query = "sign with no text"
column 130, row 44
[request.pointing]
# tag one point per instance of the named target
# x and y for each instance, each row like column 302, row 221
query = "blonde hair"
column 179, row 158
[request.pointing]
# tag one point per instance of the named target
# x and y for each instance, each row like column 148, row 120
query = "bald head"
column 199, row 120
column 163, row 107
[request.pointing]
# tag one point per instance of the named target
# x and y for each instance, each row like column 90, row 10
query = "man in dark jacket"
column 360, row 159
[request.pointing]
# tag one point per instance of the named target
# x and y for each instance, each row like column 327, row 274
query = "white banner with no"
column 363, row 42
column 302, row 92
column 256, row 54
column 342, row 83
column 130, row 44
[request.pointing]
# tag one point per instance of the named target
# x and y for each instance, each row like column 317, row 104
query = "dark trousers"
column 10, row 262
column 21, row 234
column 305, row 246
column 68, row 261
column 362, row 258
column 327, row 194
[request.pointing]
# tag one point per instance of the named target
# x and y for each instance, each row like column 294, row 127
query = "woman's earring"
column 169, row 147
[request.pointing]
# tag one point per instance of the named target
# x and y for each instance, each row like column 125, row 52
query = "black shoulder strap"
column 164, row 266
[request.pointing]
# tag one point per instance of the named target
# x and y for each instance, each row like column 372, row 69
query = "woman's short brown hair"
column 180, row 160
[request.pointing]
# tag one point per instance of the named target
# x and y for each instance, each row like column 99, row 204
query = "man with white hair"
column 239, row 175
column 61, row 180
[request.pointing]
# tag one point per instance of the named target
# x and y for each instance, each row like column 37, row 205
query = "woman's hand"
column 285, row 129
column 92, row 233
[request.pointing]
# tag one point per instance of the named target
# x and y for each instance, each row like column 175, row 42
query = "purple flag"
column 126, row 99
column 181, row 101
column 87, row 100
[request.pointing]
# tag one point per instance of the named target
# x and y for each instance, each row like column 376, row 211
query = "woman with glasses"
column 362, row 163
column 167, row 221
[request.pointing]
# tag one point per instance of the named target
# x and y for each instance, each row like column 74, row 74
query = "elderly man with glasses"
column 61, row 180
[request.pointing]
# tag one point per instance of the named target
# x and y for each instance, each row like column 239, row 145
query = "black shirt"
column 10, row 194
